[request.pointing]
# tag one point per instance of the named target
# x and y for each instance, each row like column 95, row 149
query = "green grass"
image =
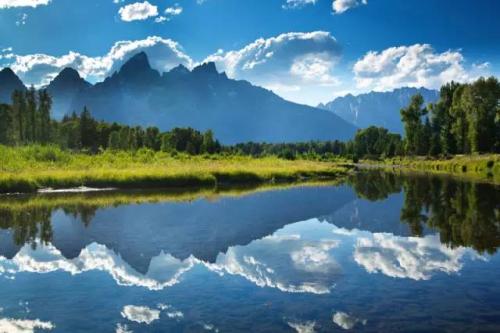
column 28, row 169
column 477, row 167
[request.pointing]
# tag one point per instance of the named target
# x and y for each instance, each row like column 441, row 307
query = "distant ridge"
column 377, row 108
column 201, row 98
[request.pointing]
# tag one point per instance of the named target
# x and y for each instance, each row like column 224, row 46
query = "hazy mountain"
column 64, row 89
column 204, row 99
column 9, row 82
column 377, row 108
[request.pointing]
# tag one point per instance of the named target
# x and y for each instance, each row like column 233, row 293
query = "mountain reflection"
column 151, row 240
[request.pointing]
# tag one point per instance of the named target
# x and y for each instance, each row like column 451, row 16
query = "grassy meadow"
column 31, row 168
column 477, row 167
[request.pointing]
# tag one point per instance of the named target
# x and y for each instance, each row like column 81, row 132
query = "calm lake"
column 377, row 253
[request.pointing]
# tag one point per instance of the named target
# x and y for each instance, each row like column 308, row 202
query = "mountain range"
column 377, row 108
column 204, row 99
column 201, row 98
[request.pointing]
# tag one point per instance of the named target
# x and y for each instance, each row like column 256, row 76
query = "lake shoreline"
column 482, row 168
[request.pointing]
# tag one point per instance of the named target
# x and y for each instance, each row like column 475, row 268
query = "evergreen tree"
column 6, row 134
column 114, row 141
column 44, row 106
column 31, row 116
column 18, row 114
column 88, row 130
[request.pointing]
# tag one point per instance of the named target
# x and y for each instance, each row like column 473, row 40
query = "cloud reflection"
column 140, row 314
column 301, row 258
column 347, row 321
column 407, row 257
column 23, row 325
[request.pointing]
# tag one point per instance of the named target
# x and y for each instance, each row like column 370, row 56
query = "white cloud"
column 39, row 69
column 407, row 257
column 307, row 327
column 23, row 325
column 346, row 321
column 315, row 68
column 417, row 65
column 138, row 11
column 23, row 3
column 294, row 4
column 341, row 6
column 173, row 11
column 170, row 12
column 140, row 314
column 285, row 62
column 160, row 19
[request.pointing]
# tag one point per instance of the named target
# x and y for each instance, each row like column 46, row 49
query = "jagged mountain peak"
column 206, row 67
column 68, row 78
column 137, row 63
column 9, row 82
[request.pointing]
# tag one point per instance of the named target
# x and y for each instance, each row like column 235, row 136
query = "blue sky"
column 309, row 51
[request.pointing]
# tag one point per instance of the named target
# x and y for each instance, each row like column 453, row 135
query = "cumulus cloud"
column 138, row 11
column 407, row 257
column 23, row 325
column 39, row 69
column 140, row 314
column 417, row 65
column 341, row 6
column 346, row 321
column 285, row 62
column 294, row 4
column 23, row 3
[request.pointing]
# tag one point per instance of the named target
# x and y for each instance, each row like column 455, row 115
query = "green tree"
column 6, row 134
column 44, row 106
column 31, row 115
column 114, row 141
column 88, row 130
column 412, row 119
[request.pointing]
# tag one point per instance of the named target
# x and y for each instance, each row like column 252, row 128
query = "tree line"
column 27, row 120
column 466, row 119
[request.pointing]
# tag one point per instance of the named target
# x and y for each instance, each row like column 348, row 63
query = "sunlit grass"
column 480, row 167
column 27, row 169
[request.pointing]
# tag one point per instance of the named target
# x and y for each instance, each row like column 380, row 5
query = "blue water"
column 304, row 259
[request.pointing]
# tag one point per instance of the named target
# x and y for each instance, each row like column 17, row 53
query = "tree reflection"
column 464, row 213
column 30, row 224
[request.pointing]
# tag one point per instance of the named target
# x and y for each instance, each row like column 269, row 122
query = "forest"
column 465, row 120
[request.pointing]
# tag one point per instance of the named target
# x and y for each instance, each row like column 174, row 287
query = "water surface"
column 380, row 252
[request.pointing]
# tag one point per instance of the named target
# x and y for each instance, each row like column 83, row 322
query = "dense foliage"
column 27, row 121
column 465, row 120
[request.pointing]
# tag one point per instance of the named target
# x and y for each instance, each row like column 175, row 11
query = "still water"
column 378, row 253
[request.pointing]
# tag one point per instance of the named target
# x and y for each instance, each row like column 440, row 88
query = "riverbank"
column 476, row 167
column 29, row 169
